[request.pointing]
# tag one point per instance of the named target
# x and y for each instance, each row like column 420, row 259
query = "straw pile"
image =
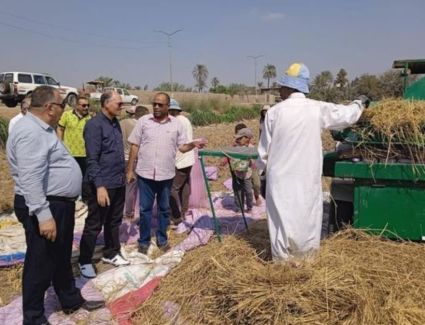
column 393, row 130
column 356, row 279
column 11, row 283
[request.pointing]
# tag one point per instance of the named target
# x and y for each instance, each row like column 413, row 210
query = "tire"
column 10, row 102
column 4, row 87
column 134, row 101
column 71, row 99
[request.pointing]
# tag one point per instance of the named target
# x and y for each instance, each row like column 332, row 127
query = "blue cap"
column 174, row 105
column 297, row 77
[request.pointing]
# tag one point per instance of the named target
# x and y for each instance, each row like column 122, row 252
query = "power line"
column 65, row 39
column 68, row 29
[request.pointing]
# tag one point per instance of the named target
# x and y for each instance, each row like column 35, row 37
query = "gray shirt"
column 41, row 165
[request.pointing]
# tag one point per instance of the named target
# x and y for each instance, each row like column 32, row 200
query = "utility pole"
column 255, row 58
column 169, row 52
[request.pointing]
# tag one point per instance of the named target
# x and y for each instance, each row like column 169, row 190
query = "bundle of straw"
column 355, row 279
column 392, row 131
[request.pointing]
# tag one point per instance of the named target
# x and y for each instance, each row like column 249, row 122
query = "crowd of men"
column 56, row 157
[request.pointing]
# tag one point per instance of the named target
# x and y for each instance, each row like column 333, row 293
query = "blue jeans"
column 148, row 188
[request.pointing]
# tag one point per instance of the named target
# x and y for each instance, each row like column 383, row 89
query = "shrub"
column 3, row 132
column 232, row 114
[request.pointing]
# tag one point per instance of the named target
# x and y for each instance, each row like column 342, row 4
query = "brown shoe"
column 164, row 248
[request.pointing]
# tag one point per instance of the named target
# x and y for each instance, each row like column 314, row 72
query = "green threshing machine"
column 386, row 198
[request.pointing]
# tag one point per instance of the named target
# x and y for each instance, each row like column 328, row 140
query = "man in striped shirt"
column 155, row 141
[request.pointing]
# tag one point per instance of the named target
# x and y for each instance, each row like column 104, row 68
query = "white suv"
column 14, row 86
column 127, row 98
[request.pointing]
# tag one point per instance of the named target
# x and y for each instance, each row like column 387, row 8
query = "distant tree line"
column 324, row 86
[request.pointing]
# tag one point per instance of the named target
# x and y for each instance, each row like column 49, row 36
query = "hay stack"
column 393, row 130
column 356, row 279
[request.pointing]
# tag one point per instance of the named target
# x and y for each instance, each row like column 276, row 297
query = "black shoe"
column 143, row 249
column 88, row 305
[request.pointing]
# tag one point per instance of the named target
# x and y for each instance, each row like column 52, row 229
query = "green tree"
column 214, row 82
column 269, row 72
column 200, row 74
column 107, row 81
column 391, row 84
column 220, row 89
column 341, row 84
column 367, row 84
column 166, row 86
column 322, row 87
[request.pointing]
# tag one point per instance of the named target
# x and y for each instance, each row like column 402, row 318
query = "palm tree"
column 215, row 82
column 200, row 74
column 269, row 72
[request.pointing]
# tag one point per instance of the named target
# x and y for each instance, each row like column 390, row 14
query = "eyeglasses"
column 85, row 105
column 62, row 105
column 160, row 105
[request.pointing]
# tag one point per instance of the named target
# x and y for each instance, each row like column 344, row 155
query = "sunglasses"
column 62, row 105
column 160, row 105
column 85, row 105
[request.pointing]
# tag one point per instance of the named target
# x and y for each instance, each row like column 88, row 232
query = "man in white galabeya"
column 290, row 149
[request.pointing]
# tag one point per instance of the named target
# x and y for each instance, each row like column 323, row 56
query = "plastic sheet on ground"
column 12, row 313
column 117, row 282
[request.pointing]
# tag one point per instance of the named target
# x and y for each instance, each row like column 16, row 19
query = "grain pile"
column 356, row 279
column 393, row 130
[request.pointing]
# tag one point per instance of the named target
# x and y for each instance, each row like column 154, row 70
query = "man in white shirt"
column 25, row 104
column 290, row 150
column 180, row 190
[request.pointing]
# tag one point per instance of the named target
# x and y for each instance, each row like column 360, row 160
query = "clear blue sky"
column 79, row 40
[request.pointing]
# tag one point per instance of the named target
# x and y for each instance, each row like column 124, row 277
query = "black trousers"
column 47, row 262
column 85, row 190
column 242, row 188
column 109, row 217
column 180, row 192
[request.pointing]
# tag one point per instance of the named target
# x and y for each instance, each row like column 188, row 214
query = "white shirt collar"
column 297, row 95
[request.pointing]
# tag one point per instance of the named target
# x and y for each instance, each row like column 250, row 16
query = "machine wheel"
column 10, row 102
column 134, row 101
column 71, row 99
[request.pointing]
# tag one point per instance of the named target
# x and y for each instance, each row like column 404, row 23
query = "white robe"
column 290, row 149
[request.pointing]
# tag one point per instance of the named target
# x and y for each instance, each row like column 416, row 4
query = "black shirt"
column 105, row 152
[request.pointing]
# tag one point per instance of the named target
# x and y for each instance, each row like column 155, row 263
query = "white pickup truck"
column 127, row 98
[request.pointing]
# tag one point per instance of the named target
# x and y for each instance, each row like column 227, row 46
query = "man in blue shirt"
column 47, row 182
column 106, row 176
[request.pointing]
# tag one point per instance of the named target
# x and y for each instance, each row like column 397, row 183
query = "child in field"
column 242, row 173
column 255, row 177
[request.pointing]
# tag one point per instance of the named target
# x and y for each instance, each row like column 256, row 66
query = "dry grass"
column 393, row 130
column 11, row 283
column 8, row 113
column 6, row 185
column 355, row 279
